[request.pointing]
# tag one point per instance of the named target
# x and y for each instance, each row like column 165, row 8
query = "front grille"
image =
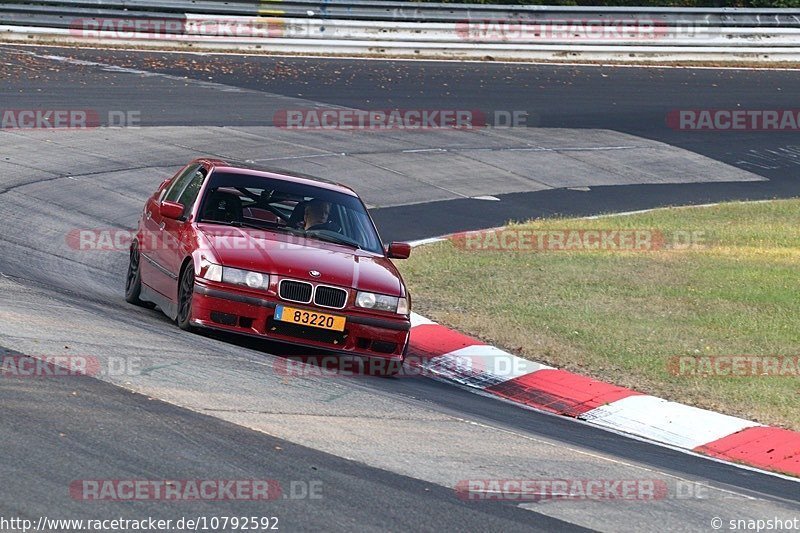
column 295, row 291
column 330, row 297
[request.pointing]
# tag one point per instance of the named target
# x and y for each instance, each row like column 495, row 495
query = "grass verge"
column 624, row 316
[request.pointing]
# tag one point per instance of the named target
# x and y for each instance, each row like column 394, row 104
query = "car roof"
column 250, row 169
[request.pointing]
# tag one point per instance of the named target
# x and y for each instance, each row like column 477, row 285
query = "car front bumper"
column 240, row 312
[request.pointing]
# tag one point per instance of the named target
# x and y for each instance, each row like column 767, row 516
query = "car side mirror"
column 398, row 250
column 172, row 210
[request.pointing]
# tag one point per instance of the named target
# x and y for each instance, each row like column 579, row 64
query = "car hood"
column 295, row 257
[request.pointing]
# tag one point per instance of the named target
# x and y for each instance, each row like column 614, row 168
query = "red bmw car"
column 285, row 257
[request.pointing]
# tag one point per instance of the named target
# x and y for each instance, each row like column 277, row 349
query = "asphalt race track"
column 635, row 101
column 385, row 452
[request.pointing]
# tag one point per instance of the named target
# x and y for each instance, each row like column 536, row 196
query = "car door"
column 178, row 235
column 155, row 273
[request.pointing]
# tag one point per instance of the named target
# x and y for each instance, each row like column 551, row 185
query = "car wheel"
column 185, row 295
column 133, row 280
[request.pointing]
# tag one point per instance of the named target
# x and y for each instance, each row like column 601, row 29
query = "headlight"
column 366, row 299
column 381, row 302
column 253, row 280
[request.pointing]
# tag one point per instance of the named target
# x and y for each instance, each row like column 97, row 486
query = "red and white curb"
column 452, row 356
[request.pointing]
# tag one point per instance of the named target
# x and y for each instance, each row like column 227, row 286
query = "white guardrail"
column 414, row 29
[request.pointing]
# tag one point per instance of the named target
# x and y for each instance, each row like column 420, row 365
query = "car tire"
column 133, row 279
column 185, row 296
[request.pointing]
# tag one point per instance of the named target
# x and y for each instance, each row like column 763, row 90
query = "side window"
column 179, row 184
column 189, row 195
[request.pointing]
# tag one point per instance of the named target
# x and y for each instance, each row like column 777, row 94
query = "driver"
column 316, row 216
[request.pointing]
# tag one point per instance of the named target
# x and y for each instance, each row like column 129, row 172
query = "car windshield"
column 299, row 208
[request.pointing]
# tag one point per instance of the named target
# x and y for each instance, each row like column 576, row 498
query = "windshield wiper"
column 241, row 224
column 236, row 224
column 335, row 238
column 327, row 236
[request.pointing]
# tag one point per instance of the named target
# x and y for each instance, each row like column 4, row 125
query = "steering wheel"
column 327, row 226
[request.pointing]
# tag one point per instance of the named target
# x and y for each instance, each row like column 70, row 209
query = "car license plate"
column 309, row 318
